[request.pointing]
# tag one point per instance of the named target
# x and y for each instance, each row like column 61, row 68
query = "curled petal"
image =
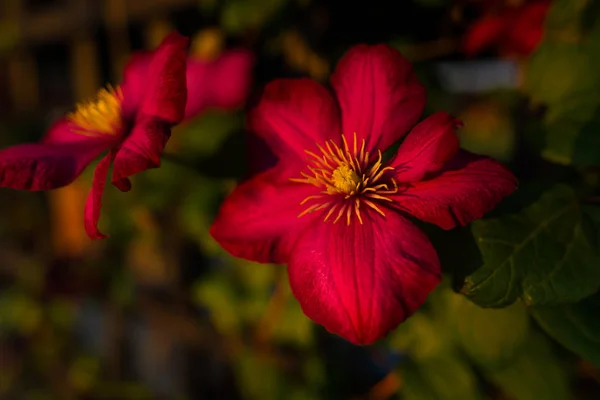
column 220, row 83
column 427, row 148
column 467, row 188
column 93, row 204
column 379, row 95
column 361, row 281
column 294, row 115
column 154, row 83
column 52, row 163
column 259, row 220
column 141, row 150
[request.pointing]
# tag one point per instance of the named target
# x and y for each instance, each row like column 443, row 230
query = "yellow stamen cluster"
column 101, row 114
column 350, row 173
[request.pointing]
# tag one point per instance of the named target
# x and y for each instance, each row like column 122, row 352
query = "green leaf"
column 572, row 131
column 570, row 61
column 575, row 326
column 540, row 255
column 446, row 376
column 490, row 337
column 535, row 374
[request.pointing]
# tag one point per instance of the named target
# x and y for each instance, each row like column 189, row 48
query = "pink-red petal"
column 52, row 163
column 527, row 28
column 141, row 150
column 93, row 204
column 427, row 148
column 467, row 188
column 485, row 32
column 134, row 83
column 221, row 83
column 361, row 281
column 166, row 92
column 259, row 220
column 294, row 115
column 154, row 83
column 379, row 95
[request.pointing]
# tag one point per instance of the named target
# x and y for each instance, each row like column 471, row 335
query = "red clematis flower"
column 133, row 123
column 336, row 212
column 514, row 30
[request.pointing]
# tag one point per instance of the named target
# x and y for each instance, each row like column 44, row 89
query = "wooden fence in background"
column 25, row 26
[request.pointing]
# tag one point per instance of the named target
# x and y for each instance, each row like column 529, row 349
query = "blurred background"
column 159, row 311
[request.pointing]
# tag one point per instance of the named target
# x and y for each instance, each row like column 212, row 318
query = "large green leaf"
column 490, row 337
column 575, row 326
column 535, row 374
column 540, row 255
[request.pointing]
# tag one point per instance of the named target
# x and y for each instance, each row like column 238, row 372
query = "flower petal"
column 221, row 83
column 64, row 131
column 156, row 82
column 52, row 163
column 379, row 95
column 427, row 148
column 486, row 31
column 527, row 28
column 259, row 220
column 361, row 281
column 141, row 150
column 93, row 204
column 467, row 188
column 294, row 115
column 134, row 83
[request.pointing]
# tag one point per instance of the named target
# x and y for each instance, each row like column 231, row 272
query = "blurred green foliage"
column 161, row 311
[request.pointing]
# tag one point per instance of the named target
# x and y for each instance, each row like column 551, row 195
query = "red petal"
column 63, row 132
column 379, row 95
column 141, row 150
column 134, row 82
column 156, row 82
column 52, row 163
column 294, row 115
column 222, row 83
column 259, row 220
column 485, row 32
column 527, row 29
column 93, row 204
column 468, row 188
column 427, row 148
column 361, row 281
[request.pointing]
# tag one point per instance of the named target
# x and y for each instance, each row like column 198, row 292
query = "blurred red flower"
column 512, row 30
column 336, row 212
column 132, row 122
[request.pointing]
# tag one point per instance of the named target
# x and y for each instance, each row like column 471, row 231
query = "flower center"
column 348, row 178
column 345, row 180
column 99, row 115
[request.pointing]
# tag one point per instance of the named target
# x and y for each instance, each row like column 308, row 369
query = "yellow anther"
column 100, row 115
